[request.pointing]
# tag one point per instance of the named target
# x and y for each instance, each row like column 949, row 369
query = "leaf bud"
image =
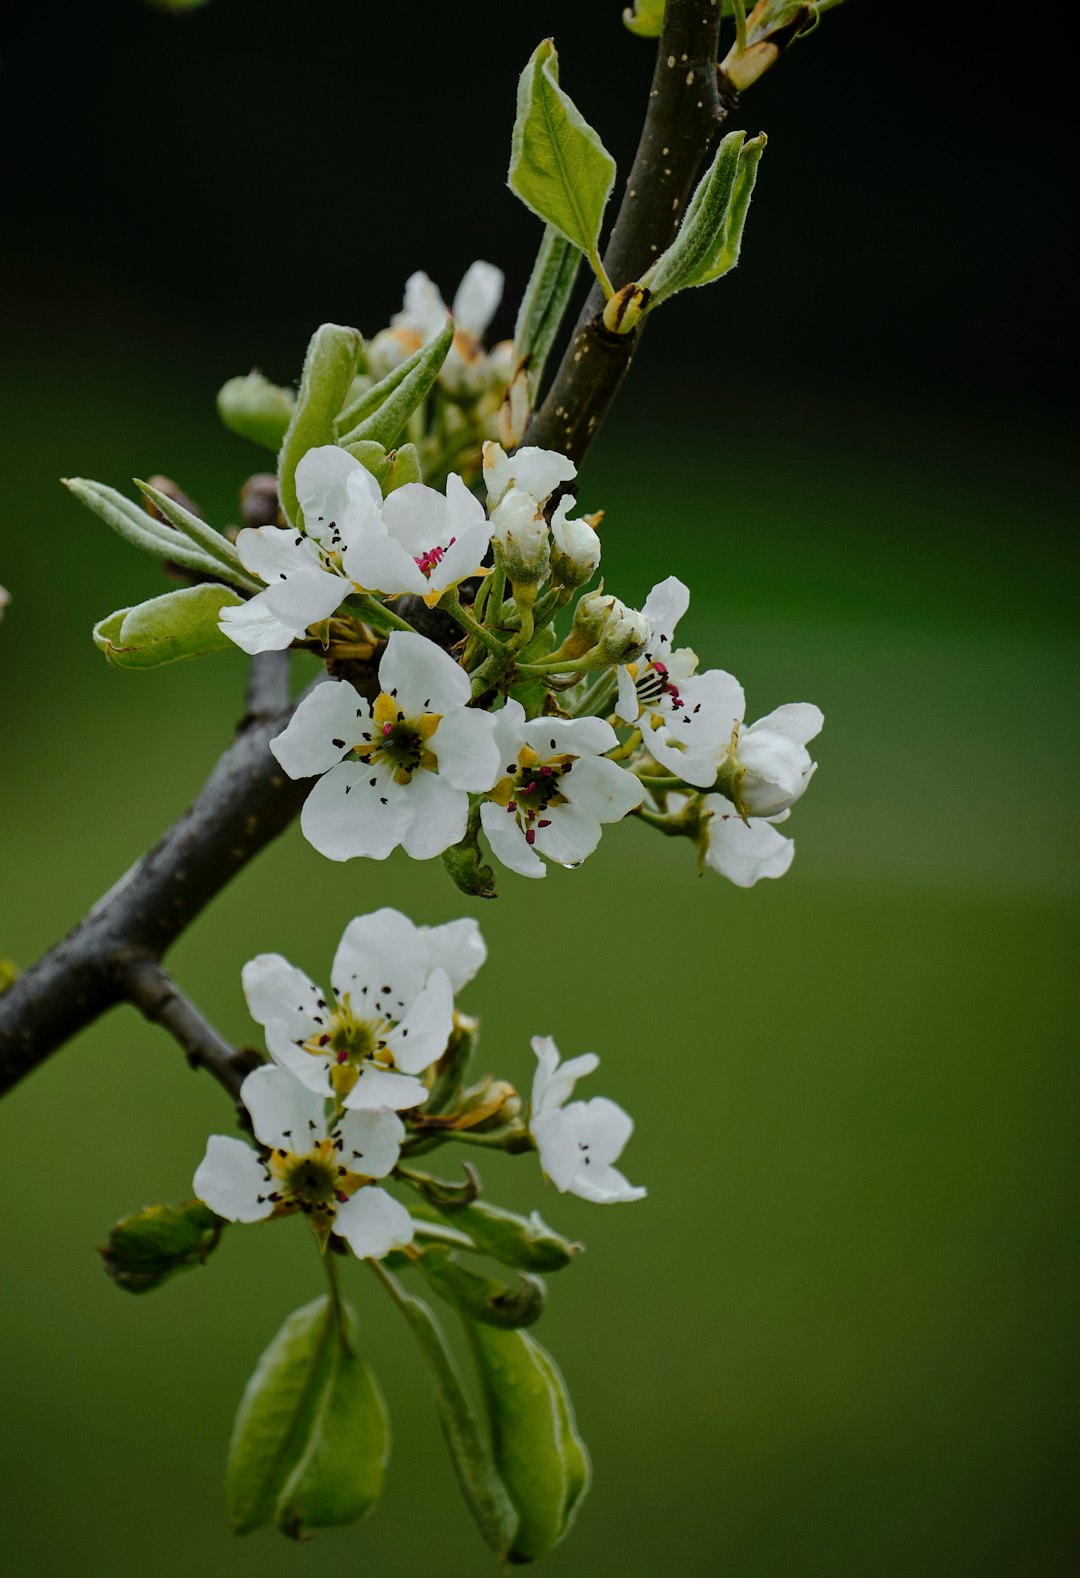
column 256, row 409
column 625, row 310
column 144, row 1249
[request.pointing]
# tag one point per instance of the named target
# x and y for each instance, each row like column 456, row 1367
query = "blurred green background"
column 838, row 1338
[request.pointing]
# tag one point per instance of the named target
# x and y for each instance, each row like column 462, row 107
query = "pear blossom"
column 766, row 767
column 578, row 1141
column 429, row 542
column 575, row 555
column 423, row 316
column 325, row 1169
column 390, row 1012
column 742, row 851
column 520, row 531
column 306, row 570
column 557, row 789
column 685, row 718
column 530, row 470
column 398, row 771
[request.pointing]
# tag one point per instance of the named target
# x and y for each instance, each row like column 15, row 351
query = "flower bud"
column 256, row 409
column 575, row 552
column 519, row 530
column 774, row 772
column 389, row 348
column 625, row 636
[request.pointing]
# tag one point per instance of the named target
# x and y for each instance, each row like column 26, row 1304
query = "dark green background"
column 838, row 1337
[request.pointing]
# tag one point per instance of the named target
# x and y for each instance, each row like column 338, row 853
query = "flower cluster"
column 537, row 744
column 470, row 371
column 350, row 1078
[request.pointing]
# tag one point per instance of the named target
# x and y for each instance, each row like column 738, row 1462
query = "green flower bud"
column 256, row 409
column 625, row 636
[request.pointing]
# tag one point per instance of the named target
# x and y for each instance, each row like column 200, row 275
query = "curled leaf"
column 166, row 629
column 143, row 1250
column 482, row 1298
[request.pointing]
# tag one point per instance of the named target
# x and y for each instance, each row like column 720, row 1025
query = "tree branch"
column 150, row 987
column 245, row 803
column 686, row 104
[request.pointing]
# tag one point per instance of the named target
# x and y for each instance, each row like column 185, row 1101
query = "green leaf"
column 143, row 531
column 558, row 165
column 312, row 1438
column 381, row 413
column 709, row 238
column 482, row 1298
column 544, row 304
column 483, row 1490
column 526, row 1243
column 145, row 1249
column 329, row 367
column 256, row 409
column 201, row 534
column 166, row 629
column 404, row 468
column 539, row 1454
column 645, row 18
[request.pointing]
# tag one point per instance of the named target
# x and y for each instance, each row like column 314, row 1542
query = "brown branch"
column 686, row 104
column 245, row 803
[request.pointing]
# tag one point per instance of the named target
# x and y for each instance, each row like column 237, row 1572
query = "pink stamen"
column 343, row 1056
column 544, row 824
column 341, row 1196
column 512, row 805
column 531, row 787
column 530, row 835
column 431, row 557
column 388, row 728
column 546, row 772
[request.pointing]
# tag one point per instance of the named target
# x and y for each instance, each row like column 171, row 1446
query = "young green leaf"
column 145, row 1249
column 202, row 535
column 482, row 1298
column 143, row 531
column 381, row 413
column 403, row 468
column 312, row 1437
column 709, row 238
column 484, row 1492
column 166, row 629
column 329, row 367
column 526, row 1243
column 539, row 1454
column 256, row 409
column 544, row 304
column 558, row 165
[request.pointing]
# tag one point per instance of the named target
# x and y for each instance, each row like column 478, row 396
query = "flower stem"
column 378, row 612
column 337, row 1302
column 451, row 604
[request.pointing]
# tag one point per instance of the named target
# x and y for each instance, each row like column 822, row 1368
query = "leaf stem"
column 337, row 1303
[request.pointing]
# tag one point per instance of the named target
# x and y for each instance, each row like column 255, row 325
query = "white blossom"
column 520, row 529
column 744, row 852
column 686, row 718
column 395, row 772
column 322, row 1168
column 578, row 1141
column 422, row 318
column 530, row 470
column 306, row 571
column 575, row 556
column 429, row 542
column 389, row 1014
column 556, row 791
column 767, row 767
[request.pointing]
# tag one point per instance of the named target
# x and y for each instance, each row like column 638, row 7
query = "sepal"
column 166, row 629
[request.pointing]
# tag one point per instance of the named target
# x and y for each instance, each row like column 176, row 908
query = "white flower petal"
column 464, row 512
column 277, row 991
column 463, row 558
column 508, row 841
column 799, row 721
column 416, row 517
column 376, row 1087
column 557, row 1143
column 322, row 730
column 604, row 1185
column 458, row 948
column 271, row 551
column 373, row 1223
column 307, row 597
column 664, row 607
column 344, row 815
column 569, row 736
column 379, row 564
column 324, row 482
column 311, row 1070
column 371, row 1141
column 553, row 1083
column 478, row 297
column 571, row 835
column 230, row 1178
column 745, row 854
column 627, row 706
column 604, row 789
column 464, row 746
column 424, row 1030
column 424, row 309
column 698, row 767
column 254, row 627
column 509, row 738
column 423, row 677
column 285, row 1114
column 439, row 815
column 603, row 1126
column 381, row 958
